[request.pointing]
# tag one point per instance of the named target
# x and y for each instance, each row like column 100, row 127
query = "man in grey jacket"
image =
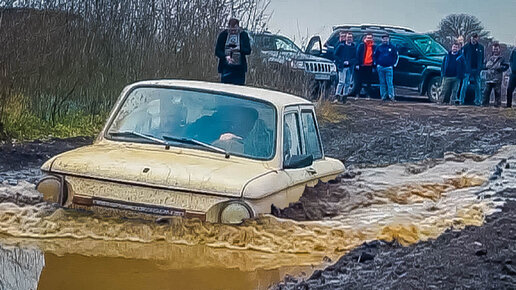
column 495, row 67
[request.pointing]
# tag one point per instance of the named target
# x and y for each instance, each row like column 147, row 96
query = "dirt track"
column 377, row 134
column 386, row 133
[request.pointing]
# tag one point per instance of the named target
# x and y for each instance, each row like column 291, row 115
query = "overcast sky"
column 298, row 19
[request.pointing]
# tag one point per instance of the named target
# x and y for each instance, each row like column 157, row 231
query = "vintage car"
column 221, row 153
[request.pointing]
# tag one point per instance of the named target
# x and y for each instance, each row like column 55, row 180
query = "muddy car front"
column 143, row 179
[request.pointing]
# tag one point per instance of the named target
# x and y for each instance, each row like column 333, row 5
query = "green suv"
column 419, row 65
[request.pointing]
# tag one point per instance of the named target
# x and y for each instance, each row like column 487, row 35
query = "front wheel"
column 434, row 89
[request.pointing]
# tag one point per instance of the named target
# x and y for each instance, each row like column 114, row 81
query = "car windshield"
column 186, row 118
column 276, row 43
column 428, row 46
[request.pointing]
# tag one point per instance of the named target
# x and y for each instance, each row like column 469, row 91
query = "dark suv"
column 419, row 65
column 278, row 51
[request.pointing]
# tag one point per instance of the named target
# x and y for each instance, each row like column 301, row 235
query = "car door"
column 312, row 143
column 293, row 146
column 409, row 69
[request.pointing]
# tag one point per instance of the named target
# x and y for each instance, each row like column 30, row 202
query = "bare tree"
column 459, row 25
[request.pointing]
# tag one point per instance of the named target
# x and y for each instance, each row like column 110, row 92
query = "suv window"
column 275, row 43
column 403, row 46
column 291, row 136
column 428, row 46
column 312, row 142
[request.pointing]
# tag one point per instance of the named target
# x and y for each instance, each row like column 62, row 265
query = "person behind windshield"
column 512, row 78
column 452, row 73
column 473, row 53
column 232, row 47
column 495, row 67
column 345, row 60
column 364, row 66
column 386, row 58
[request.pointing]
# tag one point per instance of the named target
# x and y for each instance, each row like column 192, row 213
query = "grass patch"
column 24, row 127
column 329, row 113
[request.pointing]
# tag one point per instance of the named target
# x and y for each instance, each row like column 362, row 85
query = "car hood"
column 284, row 56
column 159, row 168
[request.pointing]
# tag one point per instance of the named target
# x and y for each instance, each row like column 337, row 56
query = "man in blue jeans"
column 473, row 53
column 345, row 59
column 386, row 58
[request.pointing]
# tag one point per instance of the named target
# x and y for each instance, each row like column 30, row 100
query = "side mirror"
column 298, row 161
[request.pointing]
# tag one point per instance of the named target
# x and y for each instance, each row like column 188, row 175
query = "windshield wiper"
column 197, row 142
column 144, row 136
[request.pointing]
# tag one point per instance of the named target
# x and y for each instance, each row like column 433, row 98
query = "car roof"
column 375, row 27
column 276, row 98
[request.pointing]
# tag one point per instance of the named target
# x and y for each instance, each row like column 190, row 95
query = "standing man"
column 345, row 60
column 365, row 62
column 386, row 58
column 474, row 56
column 232, row 47
column 452, row 73
column 495, row 67
column 512, row 78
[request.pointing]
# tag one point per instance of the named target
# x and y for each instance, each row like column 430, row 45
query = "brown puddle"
column 80, row 250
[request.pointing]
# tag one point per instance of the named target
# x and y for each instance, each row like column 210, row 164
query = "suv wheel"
column 434, row 89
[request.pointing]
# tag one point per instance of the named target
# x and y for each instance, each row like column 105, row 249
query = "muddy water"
column 49, row 248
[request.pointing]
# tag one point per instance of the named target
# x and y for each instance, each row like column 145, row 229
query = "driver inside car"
column 236, row 126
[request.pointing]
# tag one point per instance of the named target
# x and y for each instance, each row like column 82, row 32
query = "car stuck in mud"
column 220, row 153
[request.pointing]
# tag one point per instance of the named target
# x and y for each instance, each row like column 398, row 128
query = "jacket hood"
column 160, row 168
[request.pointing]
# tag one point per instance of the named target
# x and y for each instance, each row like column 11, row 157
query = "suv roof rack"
column 390, row 28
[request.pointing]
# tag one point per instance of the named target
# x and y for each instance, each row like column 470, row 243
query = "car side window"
column 291, row 136
column 403, row 47
column 311, row 137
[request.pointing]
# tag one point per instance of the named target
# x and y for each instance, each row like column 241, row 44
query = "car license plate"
column 322, row 77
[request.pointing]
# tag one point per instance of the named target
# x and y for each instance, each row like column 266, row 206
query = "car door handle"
column 311, row 170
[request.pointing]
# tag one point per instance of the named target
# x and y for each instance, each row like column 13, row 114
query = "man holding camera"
column 232, row 47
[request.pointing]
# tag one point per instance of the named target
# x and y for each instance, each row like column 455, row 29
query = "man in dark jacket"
column 345, row 60
column 365, row 62
column 232, row 47
column 386, row 58
column 473, row 53
column 452, row 73
column 512, row 78
column 495, row 67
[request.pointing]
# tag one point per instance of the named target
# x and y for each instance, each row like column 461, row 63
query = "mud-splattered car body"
column 214, row 164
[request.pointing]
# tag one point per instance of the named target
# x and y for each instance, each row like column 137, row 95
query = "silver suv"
column 279, row 50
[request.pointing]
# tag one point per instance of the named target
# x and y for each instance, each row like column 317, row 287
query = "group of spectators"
column 462, row 66
column 355, row 66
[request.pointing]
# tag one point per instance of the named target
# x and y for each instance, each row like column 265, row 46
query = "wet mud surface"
column 421, row 181
column 376, row 133
column 474, row 258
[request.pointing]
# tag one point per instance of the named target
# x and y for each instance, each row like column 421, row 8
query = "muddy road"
column 422, row 180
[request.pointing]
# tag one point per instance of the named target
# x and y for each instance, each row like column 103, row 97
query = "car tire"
column 433, row 90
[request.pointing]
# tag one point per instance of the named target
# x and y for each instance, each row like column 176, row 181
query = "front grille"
column 318, row 67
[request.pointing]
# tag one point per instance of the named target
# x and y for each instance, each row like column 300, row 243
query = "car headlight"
column 297, row 64
column 235, row 213
column 50, row 187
